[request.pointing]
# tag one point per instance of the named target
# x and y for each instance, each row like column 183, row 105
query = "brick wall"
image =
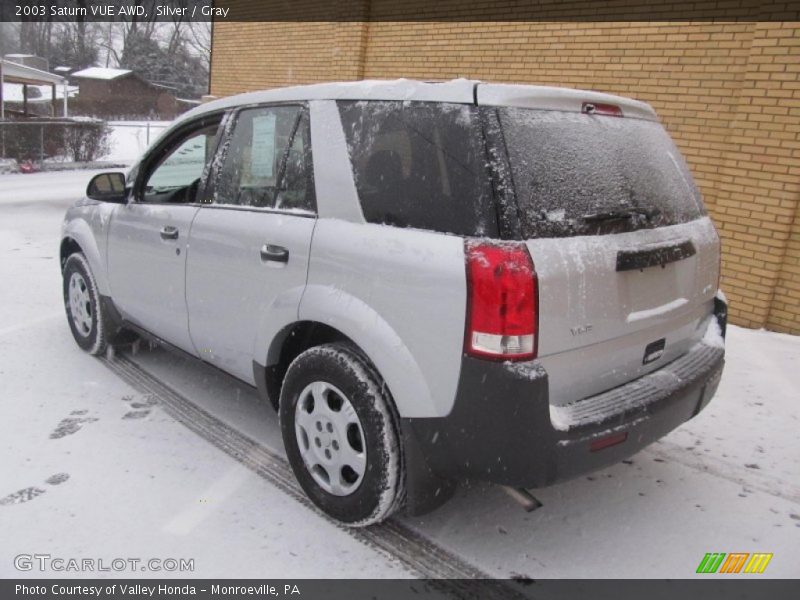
column 783, row 310
column 728, row 92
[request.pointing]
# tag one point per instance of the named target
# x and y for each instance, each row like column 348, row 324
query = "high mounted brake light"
column 596, row 108
column 502, row 301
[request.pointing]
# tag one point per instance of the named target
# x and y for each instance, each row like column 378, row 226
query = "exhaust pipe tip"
column 523, row 497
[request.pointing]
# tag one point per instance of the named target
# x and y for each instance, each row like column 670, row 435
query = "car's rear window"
column 420, row 165
column 578, row 174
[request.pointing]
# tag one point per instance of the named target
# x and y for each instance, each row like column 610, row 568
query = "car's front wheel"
column 82, row 302
column 341, row 435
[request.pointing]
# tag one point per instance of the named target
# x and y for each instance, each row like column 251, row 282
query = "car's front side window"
column 176, row 176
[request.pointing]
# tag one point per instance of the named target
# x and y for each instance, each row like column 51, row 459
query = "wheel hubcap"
column 80, row 304
column 330, row 438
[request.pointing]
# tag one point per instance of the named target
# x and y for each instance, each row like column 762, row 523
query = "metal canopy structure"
column 11, row 72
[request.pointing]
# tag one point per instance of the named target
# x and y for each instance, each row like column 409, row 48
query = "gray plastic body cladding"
column 500, row 428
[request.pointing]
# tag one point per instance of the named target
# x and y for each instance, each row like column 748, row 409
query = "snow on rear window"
column 577, row 174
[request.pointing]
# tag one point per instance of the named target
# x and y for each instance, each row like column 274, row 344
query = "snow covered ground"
column 105, row 473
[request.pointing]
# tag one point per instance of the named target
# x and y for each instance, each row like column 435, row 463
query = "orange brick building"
column 727, row 87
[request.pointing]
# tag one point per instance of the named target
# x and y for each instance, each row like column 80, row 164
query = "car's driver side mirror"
column 107, row 187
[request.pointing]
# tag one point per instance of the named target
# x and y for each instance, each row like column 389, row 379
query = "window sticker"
column 263, row 146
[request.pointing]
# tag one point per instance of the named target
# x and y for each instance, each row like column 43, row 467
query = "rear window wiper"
column 621, row 214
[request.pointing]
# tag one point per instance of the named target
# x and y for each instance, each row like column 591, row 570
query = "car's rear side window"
column 420, row 165
column 266, row 161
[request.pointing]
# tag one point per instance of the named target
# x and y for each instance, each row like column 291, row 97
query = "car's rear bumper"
column 502, row 428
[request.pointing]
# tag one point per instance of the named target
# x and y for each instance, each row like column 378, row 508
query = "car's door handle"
column 274, row 253
column 169, row 233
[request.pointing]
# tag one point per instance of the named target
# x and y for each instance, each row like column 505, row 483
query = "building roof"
column 458, row 91
column 17, row 73
column 104, row 73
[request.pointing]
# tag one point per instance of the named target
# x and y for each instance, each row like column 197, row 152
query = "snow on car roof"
column 461, row 91
column 101, row 73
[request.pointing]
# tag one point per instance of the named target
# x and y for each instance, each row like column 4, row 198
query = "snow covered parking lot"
column 154, row 457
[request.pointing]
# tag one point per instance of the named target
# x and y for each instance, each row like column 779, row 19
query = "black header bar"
column 393, row 10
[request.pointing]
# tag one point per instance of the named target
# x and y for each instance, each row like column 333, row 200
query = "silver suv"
column 431, row 282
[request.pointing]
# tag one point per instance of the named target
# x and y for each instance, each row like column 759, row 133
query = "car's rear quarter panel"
column 400, row 294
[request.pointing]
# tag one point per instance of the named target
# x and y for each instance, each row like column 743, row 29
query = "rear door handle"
column 169, row 233
column 270, row 253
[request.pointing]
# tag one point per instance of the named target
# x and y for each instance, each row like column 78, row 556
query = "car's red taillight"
column 502, row 301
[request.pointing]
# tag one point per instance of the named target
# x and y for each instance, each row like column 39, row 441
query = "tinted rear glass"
column 573, row 172
column 420, row 165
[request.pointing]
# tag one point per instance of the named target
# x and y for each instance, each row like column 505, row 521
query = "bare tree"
column 9, row 37
column 199, row 39
column 174, row 52
column 35, row 36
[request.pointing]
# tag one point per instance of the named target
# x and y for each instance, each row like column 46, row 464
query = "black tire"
column 93, row 337
column 380, row 490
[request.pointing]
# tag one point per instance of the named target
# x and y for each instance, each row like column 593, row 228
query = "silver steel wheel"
column 80, row 304
column 330, row 438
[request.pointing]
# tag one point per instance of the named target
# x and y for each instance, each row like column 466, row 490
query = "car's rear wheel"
column 341, row 434
column 87, row 320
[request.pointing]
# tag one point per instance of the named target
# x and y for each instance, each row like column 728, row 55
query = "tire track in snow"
column 391, row 538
